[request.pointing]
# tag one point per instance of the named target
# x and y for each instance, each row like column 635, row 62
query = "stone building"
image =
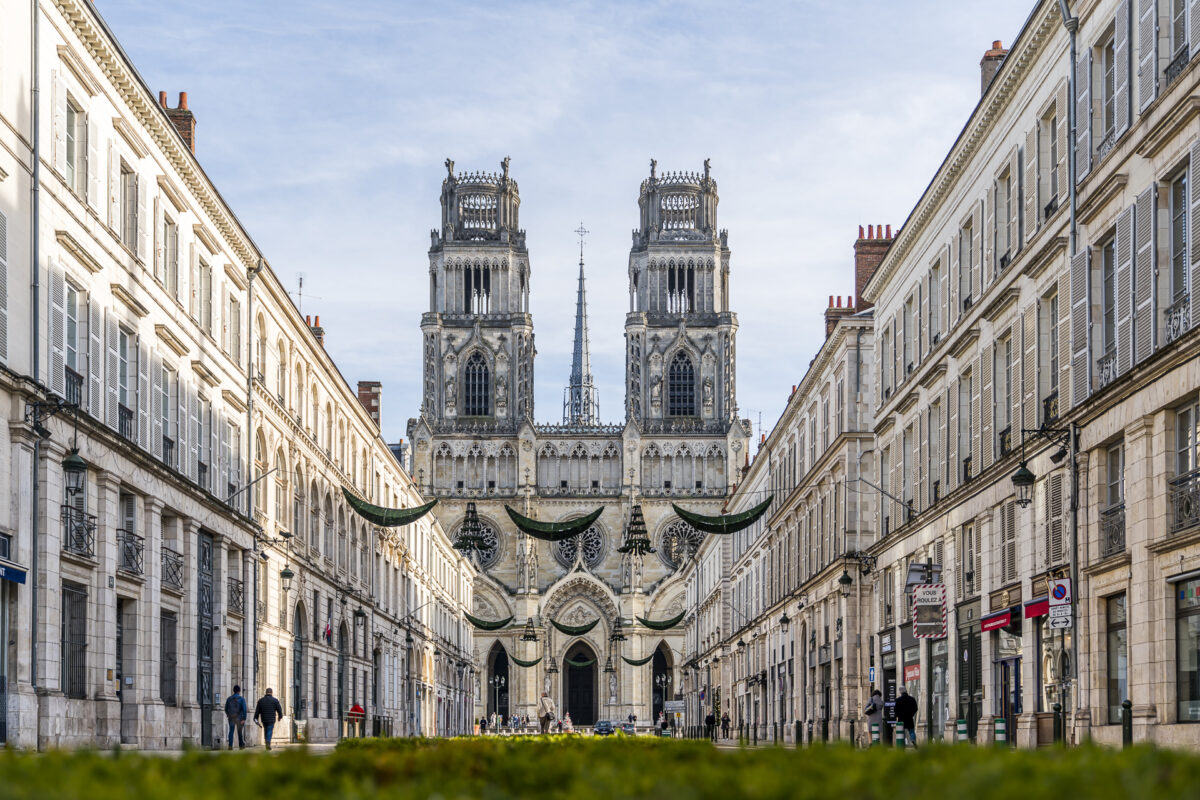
column 169, row 418
column 476, row 444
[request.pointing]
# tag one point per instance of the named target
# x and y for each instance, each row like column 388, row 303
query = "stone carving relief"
column 580, row 588
column 633, row 401
column 656, row 395
column 430, row 401
column 708, row 397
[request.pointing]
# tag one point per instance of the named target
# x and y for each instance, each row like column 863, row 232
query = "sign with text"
column 674, row 706
column 929, row 610
column 912, row 673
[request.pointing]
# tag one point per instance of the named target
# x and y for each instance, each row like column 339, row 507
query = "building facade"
column 178, row 440
column 476, row 444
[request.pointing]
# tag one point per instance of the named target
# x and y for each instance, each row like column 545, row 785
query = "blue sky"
column 325, row 124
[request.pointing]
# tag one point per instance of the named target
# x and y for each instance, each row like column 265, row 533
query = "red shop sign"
column 912, row 673
column 996, row 621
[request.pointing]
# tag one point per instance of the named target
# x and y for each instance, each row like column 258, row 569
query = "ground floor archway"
column 579, row 684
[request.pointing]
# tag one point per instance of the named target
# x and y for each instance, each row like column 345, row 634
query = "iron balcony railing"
column 1176, row 318
column 967, row 474
column 237, row 596
column 260, row 609
column 1005, row 441
column 172, row 568
column 168, row 451
column 1106, row 145
column 937, row 491
column 1106, row 366
column 1050, row 408
column 125, row 423
column 130, row 549
column 1112, row 530
column 1176, row 67
column 1050, row 208
column 1184, row 498
column 79, row 532
column 74, row 390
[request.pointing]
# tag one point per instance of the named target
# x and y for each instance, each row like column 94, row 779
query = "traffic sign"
column 871, row 674
column 1060, row 623
column 1060, row 592
column 1058, row 612
column 929, row 611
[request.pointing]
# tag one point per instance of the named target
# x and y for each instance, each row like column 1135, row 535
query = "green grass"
column 582, row 769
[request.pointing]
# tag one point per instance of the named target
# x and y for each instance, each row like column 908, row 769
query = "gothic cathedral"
column 478, row 448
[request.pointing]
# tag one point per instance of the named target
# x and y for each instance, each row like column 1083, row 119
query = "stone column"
column 24, row 704
column 1146, row 461
column 153, row 709
column 102, row 609
column 187, row 688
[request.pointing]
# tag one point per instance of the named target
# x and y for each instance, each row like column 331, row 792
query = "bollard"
column 810, row 731
column 962, row 736
column 853, row 743
column 799, row 735
column 1126, row 723
column 898, row 736
column 1001, row 727
column 755, row 728
column 775, row 732
column 874, row 734
column 1058, row 722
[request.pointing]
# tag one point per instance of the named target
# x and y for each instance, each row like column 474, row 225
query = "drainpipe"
column 35, row 258
column 250, row 276
column 1071, row 23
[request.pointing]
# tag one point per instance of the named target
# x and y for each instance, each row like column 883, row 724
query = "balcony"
column 936, row 493
column 125, row 423
column 1112, row 531
column 237, row 596
column 130, row 549
column 74, row 390
column 1106, row 145
column 1176, row 67
column 1176, row 318
column 172, row 569
column 967, row 474
column 1106, row 366
column 1050, row 208
column 79, row 532
column 1050, row 408
column 1184, row 501
column 202, row 474
column 1005, row 260
column 1005, row 441
column 168, row 451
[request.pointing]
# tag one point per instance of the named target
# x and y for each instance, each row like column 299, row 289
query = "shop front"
column 887, row 650
column 938, row 689
column 1005, row 629
column 11, row 576
column 970, row 667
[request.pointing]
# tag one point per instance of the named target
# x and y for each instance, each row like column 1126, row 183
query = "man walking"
column 546, row 712
column 725, row 725
column 235, row 714
column 906, row 715
column 710, row 726
column 268, row 711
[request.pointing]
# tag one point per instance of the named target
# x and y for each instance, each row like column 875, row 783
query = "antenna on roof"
column 299, row 293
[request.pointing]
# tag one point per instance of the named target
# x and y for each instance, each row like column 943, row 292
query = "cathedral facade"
column 478, row 448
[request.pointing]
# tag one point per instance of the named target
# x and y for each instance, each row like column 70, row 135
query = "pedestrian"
column 546, row 712
column 725, row 725
column 629, row 719
column 710, row 726
column 906, row 715
column 235, row 714
column 269, row 712
column 635, row 719
column 874, row 714
column 483, row 726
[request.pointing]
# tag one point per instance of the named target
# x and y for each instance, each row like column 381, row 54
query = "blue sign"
column 871, row 675
column 10, row 573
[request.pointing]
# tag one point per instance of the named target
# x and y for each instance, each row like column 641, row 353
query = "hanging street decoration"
column 386, row 517
column 522, row 663
column 587, row 662
column 470, row 535
column 637, row 540
column 729, row 523
column 618, row 634
column 530, row 635
column 553, row 531
column 638, row 662
column 661, row 625
column 486, row 624
column 575, row 630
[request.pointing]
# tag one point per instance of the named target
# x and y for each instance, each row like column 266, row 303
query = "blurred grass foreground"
column 562, row 767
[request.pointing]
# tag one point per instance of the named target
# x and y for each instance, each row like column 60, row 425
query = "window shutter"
column 110, row 407
column 143, row 393
column 951, row 439
column 225, row 469
column 991, row 249
column 95, row 168
column 1009, row 532
column 1193, row 236
column 897, row 354
column 1054, row 519
column 1063, row 134
column 3, row 287
column 1121, row 68
column 955, row 278
column 960, row 587
column 1083, row 115
column 924, row 295
column 1029, row 394
column 1193, row 14
column 159, row 244
column 129, row 514
column 1081, row 266
column 1029, row 193
column 224, row 318
column 922, row 430
column 214, row 444
column 193, row 273
column 1016, row 185
column 114, row 189
column 976, row 417
column 1147, row 84
column 987, row 410
column 944, row 295
column 59, row 100
column 977, row 253
column 156, row 406
column 184, row 427
column 143, row 235
column 95, row 360
column 58, row 323
column 1123, row 252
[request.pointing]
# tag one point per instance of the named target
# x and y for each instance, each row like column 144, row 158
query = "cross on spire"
column 581, row 232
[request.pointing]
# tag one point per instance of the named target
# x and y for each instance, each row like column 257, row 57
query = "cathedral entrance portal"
column 660, row 677
column 580, row 686
column 497, row 683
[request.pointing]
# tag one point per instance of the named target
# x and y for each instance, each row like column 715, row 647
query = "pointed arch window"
column 681, row 387
column 476, row 394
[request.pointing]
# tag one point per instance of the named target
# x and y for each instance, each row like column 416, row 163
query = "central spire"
column 581, row 405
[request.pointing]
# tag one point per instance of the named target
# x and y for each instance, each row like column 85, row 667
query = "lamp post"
column 497, row 683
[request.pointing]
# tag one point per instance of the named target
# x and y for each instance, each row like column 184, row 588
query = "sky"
column 325, row 126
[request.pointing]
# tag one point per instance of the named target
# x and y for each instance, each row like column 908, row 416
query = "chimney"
column 836, row 311
column 183, row 119
column 317, row 330
column 869, row 250
column 989, row 65
column 370, row 394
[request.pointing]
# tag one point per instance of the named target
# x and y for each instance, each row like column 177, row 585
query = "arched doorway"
column 497, row 686
column 299, row 629
column 580, row 684
column 660, row 681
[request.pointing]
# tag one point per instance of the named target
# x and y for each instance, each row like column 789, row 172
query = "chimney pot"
column 870, row 231
column 162, row 99
column 317, row 320
column 889, row 231
column 860, row 231
column 996, row 45
column 830, row 302
column 308, row 320
column 183, row 100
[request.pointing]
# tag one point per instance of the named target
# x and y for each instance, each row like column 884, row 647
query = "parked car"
column 603, row 728
column 628, row 728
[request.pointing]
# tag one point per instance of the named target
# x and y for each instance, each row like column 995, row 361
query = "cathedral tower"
column 581, row 403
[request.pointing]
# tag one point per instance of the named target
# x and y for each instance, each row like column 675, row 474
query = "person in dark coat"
column 235, row 714
column 725, row 725
column 906, row 715
column 710, row 726
column 267, row 712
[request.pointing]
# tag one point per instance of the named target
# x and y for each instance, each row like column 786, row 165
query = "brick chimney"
column 869, row 249
column 835, row 312
column 314, row 325
column 989, row 65
column 183, row 119
column 370, row 394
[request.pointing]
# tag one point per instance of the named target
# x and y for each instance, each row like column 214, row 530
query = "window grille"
column 74, row 641
column 167, row 632
column 681, row 387
column 476, row 397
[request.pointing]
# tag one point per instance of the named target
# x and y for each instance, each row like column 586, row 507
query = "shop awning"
column 995, row 621
column 1038, row 607
column 11, row 572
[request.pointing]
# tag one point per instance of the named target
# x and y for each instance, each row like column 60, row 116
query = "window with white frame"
column 72, row 338
column 170, row 250
column 76, row 147
column 966, row 257
column 124, row 369
column 166, row 399
column 1002, row 385
column 1115, row 469
column 935, row 305
column 964, row 416
column 1177, row 199
column 1047, row 167
column 1106, row 65
column 235, row 330
column 204, row 299
column 1003, row 219
column 1187, row 425
column 129, row 206
column 1108, row 296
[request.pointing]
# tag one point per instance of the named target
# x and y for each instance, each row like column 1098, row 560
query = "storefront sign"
column 929, row 611
column 912, row 673
column 996, row 621
column 674, row 706
column 885, row 643
column 1036, row 608
column 11, row 572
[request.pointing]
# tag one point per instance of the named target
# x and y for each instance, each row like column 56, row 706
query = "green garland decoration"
column 637, row 662
column 729, row 523
column 587, row 662
column 386, row 517
column 522, row 663
column 487, row 624
column 661, row 625
column 575, row 630
column 553, row 531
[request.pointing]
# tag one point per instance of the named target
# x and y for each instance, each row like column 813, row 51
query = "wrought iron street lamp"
column 285, row 578
column 74, row 471
column 1023, row 480
column 845, row 582
column 360, row 616
column 784, row 623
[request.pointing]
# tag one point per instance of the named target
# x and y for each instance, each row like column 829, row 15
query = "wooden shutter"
column 1063, row 134
column 3, row 287
column 214, row 450
column 143, row 393
column 1147, row 76
column 1008, row 536
column 1145, row 302
column 1193, row 235
column 1016, row 183
column 1083, row 115
column 225, row 469
column 1123, row 296
column 111, row 332
column 114, row 190
column 952, row 470
column 58, row 323
column 987, row 409
column 159, row 245
column 976, row 429
column 1016, row 389
column 95, row 359
column 924, row 296
column 185, row 453
column 129, row 513
column 921, row 427
column 1054, row 519
column 977, row 253
column 955, row 279
column 1064, row 342
column 944, row 296
column 193, row 278
column 58, row 100
column 1029, row 395
column 1081, row 366
column 143, row 220
column 95, row 167
column 156, row 405
column 1193, row 15
column 1033, row 216
column 991, row 249
column 1121, row 68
